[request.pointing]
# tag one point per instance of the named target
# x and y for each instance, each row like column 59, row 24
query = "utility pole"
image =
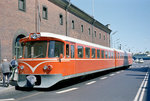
column 93, row 20
column 67, row 17
column 37, row 16
column 111, row 42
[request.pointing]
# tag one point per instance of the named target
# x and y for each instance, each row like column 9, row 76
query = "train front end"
column 38, row 66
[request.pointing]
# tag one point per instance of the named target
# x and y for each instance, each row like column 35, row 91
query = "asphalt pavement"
column 130, row 84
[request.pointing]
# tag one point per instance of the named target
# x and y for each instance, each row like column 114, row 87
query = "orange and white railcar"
column 49, row 58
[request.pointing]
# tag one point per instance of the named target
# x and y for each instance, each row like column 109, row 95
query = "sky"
column 128, row 19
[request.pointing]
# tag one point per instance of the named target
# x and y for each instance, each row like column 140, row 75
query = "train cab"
column 41, row 57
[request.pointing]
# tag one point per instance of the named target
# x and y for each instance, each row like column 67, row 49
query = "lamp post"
column 116, row 42
column 112, row 38
column 67, row 17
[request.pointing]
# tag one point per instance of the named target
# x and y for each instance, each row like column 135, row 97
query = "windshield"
column 35, row 49
column 55, row 49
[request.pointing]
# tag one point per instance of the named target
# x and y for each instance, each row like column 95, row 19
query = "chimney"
column 108, row 26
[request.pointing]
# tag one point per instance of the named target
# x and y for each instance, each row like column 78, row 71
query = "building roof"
column 80, row 13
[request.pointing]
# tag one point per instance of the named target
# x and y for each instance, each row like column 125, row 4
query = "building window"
column 18, row 48
column 87, row 52
column 89, row 31
column 61, row 19
column 73, row 26
column 104, row 37
column 95, row 33
column 81, row 28
column 45, row 13
column 99, row 35
column 22, row 5
column 80, row 52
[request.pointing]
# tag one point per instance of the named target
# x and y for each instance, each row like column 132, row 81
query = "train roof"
column 70, row 39
column 118, row 50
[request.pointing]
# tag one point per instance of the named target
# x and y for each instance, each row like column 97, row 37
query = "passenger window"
column 120, row 55
column 112, row 55
column 67, row 50
column 87, row 52
column 102, row 53
column 80, row 52
column 106, row 54
column 93, row 53
column 72, row 51
column 116, row 55
column 109, row 55
column 98, row 53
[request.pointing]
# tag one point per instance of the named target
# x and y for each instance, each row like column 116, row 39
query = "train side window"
column 67, row 50
column 121, row 55
column 118, row 55
column 72, row 51
column 109, row 55
column 102, row 53
column 106, row 54
column 80, row 52
column 87, row 52
column 93, row 52
column 55, row 49
column 98, row 53
column 112, row 55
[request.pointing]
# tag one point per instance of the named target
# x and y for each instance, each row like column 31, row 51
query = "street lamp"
column 116, row 42
column 112, row 38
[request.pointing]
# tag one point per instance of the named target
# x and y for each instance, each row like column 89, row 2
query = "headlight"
column 45, row 67
column 21, row 67
column 35, row 36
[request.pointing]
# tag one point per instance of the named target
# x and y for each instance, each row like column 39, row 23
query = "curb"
column 11, row 86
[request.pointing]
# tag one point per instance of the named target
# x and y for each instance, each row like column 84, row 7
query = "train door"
column 69, row 61
column 73, row 57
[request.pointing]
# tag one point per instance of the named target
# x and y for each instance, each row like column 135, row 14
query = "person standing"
column 14, row 65
column 6, row 72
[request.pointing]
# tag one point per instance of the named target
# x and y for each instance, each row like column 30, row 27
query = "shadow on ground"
column 73, row 81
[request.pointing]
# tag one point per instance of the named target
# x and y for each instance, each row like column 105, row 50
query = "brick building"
column 19, row 17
